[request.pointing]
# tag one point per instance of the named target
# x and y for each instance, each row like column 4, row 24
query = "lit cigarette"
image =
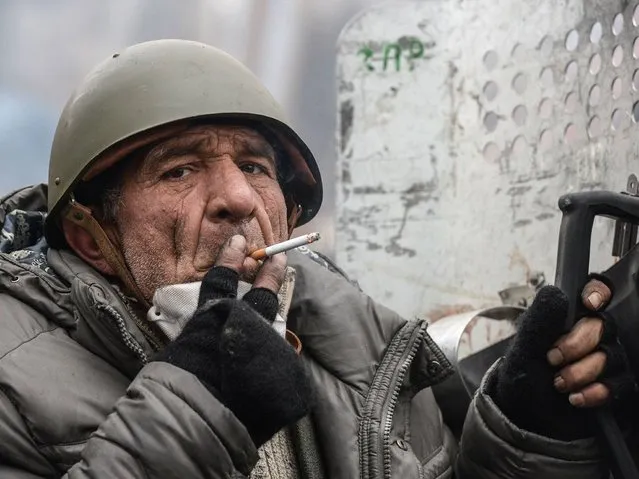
column 284, row 246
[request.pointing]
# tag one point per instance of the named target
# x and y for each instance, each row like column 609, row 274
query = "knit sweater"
column 277, row 459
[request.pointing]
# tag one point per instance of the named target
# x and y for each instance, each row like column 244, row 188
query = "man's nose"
column 231, row 195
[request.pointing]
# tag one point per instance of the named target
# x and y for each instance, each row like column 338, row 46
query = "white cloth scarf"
column 172, row 308
column 175, row 304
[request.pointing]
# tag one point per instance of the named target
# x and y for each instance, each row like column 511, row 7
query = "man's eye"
column 253, row 168
column 177, row 173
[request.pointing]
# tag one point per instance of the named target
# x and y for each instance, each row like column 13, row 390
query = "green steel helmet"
column 160, row 83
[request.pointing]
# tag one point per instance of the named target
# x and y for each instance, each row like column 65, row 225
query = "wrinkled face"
column 189, row 195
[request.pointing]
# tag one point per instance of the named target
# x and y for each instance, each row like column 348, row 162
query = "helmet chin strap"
column 82, row 216
column 293, row 217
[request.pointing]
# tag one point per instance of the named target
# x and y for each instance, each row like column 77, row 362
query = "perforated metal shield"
column 460, row 124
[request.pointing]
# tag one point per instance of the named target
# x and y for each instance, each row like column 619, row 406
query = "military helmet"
column 158, row 83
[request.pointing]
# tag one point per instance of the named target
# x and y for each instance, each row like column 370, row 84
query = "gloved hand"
column 542, row 366
column 230, row 345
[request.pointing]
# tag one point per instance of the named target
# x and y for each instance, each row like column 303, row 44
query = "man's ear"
column 83, row 244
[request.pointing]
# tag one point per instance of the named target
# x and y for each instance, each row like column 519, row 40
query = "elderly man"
column 141, row 340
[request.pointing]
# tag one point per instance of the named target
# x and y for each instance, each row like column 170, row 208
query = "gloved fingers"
column 577, row 375
column 620, row 386
column 221, row 281
column 593, row 395
column 272, row 273
column 264, row 301
column 596, row 293
column 541, row 324
column 609, row 329
column 263, row 380
column 581, row 340
column 263, row 296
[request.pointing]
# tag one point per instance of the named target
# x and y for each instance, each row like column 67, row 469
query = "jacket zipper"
column 388, row 421
column 390, row 374
column 127, row 337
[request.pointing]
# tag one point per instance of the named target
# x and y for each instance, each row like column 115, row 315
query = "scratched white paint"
column 426, row 223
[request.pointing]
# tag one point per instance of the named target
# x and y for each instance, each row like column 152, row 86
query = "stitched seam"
column 44, row 445
column 408, row 433
column 427, row 464
column 28, row 341
column 448, row 469
column 432, row 456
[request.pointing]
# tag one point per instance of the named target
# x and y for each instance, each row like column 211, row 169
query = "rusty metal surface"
column 459, row 126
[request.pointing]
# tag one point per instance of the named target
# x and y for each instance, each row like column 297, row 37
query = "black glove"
column 523, row 384
column 240, row 358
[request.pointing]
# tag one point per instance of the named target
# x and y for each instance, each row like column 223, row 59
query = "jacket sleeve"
column 494, row 448
column 167, row 425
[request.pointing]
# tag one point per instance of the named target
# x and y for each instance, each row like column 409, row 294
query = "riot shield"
column 460, row 124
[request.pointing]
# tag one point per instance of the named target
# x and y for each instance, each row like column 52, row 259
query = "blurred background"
column 48, row 46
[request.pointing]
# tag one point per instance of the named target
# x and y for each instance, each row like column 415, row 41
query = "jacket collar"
column 104, row 318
